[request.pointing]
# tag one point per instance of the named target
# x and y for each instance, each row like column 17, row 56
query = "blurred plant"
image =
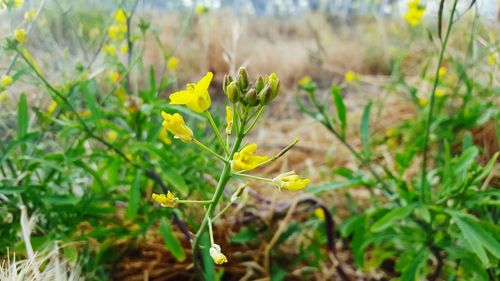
column 440, row 223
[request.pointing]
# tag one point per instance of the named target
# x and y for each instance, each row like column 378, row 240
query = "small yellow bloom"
column 168, row 200
column 290, row 181
column 440, row 93
column 229, row 120
column 52, row 107
column 6, row 81
column 20, row 35
column 17, row 3
column 415, row 12
column 492, row 59
column 4, row 97
column 114, row 76
column 201, row 10
column 175, row 124
column 120, row 16
column 163, row 136
column 217, row 255
column 110, row 50
column 117, row 32
column 305, row 80
column 111, row 135
column 172, row 63
column 320, row 214
column 390, row 131
column 124, row 48
column 29, row 15
column 85, row 113
column 442, row 72
column 196, row 96
column 246, row 159
column 350, row 76
column 423, row 101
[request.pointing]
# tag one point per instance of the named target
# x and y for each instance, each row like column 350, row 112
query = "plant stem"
column 252, row 177
column 206, row 148
column 194, row 201
column 425, row 188
column 216, row 130
column 259, row 113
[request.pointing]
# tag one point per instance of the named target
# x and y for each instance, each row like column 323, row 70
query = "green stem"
column 252, row 177
column 425, row 188
column 206, row 148
column 194, row 201
column 216, row 130
column 259, row 113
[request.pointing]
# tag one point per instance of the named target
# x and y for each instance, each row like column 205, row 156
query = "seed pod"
column 259, row 84
column 274, row 83
column 227, row 80
column 243, row 79
column 265, row 95
column 233, row 92
column 251, row 97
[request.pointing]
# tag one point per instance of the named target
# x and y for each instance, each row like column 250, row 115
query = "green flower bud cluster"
column 261, row 92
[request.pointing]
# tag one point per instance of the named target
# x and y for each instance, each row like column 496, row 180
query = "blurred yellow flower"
column 492, row 59
column 246, row 159
column 168, row 200
column 4, row 97
column 163, row 136
column 29, row 15
column 196, row 96
column 290, row 181
column 85, row 113
column 20, row 35
column 305, row 80
column 110, row 50
column 175, row 124
column 415, row 12
column 217, row 255
column 350, row 76
column 390, row 131
column 172, row 63
column 229, row 120
column 423, row 101
column 440, row 93
column 201, row 9
column 111, row 135
column 124, row 48
column 120, row 16
column 6, row 81
column 52, row 107
column 442, row 72
column 319, row 213
column 114, row 76
column 117, row 32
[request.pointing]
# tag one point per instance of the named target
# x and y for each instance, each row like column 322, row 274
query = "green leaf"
column 22, row 116
column 15, row 143
column 467, row 158
column 173, row 244
column 174, row 178
column 134, row 197
column 334, row 185
column 365, row 128
column 245, row 235
column 412, row 272
column 389, row 218
column 341, row 109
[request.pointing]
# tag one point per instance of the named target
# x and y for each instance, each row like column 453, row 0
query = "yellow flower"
column 124, row 48
column 201, row 10
column 246, row 159
column 110, row 50
column 111, row 135
column 350, row 76
column 4, row 97
column 217, row 255
column 117, row 32
column 52, row 107
column 114, row 76
column 168, row 200
column 390, row 131
column 17, row 3
column 492, row 59
column 6, row 81
column 229, row 120
column 196, row 96
column 120, row 16
column 415, row 12
column 319, row 213
column 423, row 101
column 172, row 63
column 20, row 35
column 85, row 113
column 290, row 181
column 163, row 136
column 440, row 93
column 442, row 72
column 29, row 15
column 305, row 80
column 175, row 124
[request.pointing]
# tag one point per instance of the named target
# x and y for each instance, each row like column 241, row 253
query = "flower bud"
column 233, row 92
column 227, row 80
column 243, row 79
column 274, row 83
column 259, row 84
column 265, row 95
column 251, row 97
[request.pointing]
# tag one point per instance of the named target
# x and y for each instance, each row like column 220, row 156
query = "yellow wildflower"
column 350, row 76
column 217, row 255
column 110, row 50
column 229, row 120
column 114, row 76
column 163, row 136
column 440, row 93
column 124, row 48
column 52, row 107
column 111, row 135
column 492, row 59
column 85, row 113
column 175, row 124
column 29, row 15
column 20, row 35
column 117, row 32
column 120, row 16
column 305, row 80
column 290, row 181
column 246, row 159
column 201, row 10
column 320, row 214
column 423, row 101
column 196, row 96
column 6, row 81
column 415, row 12
column 442, row 72
column 390, row 131
column 168, row 200
column 172, row 63
column 4, row 97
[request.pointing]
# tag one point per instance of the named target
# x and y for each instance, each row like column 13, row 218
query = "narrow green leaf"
column 173, row 244
column 413, row 270
column 341, row 109
column 472, row 239
column 466, row 160
column 22, row 116
column 389, row 218
column 177, row 180
column 440, row 19
column 365, row 128
column 134, row 197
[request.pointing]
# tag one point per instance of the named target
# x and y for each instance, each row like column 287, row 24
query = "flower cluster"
column 116, row 33
column 415, row 12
